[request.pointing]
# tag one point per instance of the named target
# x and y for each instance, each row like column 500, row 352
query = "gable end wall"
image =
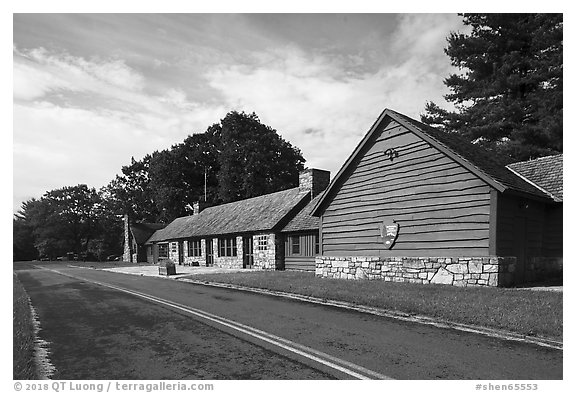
column 443, row 210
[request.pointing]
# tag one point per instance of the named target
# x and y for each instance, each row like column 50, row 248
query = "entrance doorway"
column 209, row 252
column 247, row 252
column 520, row 248
column 180, row 253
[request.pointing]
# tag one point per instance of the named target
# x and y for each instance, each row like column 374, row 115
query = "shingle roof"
column 544, row 172
column 304, row 221
column 490, row 168
column 142, row 230
column 263, row 213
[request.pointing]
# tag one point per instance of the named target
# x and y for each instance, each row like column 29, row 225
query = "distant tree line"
column 237, row 158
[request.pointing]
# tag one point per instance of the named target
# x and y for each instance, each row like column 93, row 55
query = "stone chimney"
column 314, row 180
column 127, row 254
column 198, row 206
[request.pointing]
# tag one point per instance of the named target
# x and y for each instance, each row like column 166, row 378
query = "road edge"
column 496, row 333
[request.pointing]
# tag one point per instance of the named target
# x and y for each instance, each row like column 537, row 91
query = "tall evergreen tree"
column 508, row 97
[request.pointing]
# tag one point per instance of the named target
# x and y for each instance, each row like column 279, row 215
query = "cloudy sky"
column 93, row 90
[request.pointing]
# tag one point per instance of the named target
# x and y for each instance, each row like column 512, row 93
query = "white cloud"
column 113, row 72
column 78, row 121
column 31, row 83
column 108, row 84
column 67, row 146
column 320, row 107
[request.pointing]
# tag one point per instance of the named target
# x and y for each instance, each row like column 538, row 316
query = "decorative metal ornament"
column 391, row 153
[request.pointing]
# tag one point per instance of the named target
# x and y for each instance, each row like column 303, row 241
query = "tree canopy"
column 68, row 219
column 253, row 159
column 508, row 95
column 239, row 157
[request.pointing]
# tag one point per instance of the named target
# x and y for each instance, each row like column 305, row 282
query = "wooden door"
column 209, row 253
column 520, row 247
column 180, row 253
column 247, row 252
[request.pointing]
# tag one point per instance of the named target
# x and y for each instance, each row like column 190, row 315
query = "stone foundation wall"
column 459, row 271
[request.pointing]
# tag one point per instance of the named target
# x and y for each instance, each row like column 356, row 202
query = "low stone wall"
column 459, row 271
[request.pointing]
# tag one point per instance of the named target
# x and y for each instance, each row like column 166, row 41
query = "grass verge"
column 23, row 334
column 534, row 313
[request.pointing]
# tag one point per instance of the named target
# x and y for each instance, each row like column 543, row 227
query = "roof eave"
column 528, row 195
column 552, row 196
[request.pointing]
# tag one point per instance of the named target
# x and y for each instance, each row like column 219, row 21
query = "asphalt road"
column 102, row 333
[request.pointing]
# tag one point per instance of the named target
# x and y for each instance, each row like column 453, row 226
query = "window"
column 174, row 247
column 163, row 250
column 262, row 241
column 295, row 244
column 316, row 244
column 194, row 248
column 227, row 247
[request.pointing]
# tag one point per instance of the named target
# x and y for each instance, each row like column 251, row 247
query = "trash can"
column 166, row 268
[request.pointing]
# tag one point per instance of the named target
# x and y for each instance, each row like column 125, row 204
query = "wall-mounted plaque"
column 389, row 232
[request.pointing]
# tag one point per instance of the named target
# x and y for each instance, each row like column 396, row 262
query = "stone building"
column 242, row 234
column 414, row 204
column 135, row 236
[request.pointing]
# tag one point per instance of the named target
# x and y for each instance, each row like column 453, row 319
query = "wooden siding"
column 441, row 207
column 543, row 227
column 305, row 259
column 554, row 232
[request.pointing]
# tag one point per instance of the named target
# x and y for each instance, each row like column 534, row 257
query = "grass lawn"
column 23, row 334
column 534, row 313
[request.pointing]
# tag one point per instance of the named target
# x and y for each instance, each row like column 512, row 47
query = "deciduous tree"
column 253, row 159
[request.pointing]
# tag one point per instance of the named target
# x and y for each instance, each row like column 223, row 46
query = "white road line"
column 335, row 363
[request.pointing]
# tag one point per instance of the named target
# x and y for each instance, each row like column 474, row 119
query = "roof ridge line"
column 241, row 200
column 535, row 159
